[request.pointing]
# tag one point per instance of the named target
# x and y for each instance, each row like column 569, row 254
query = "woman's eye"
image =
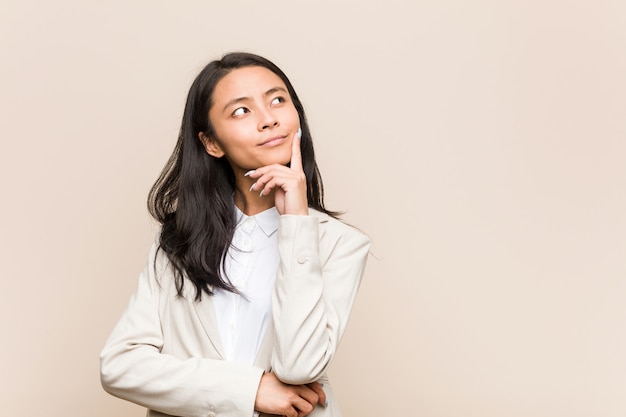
column 240, row 111
column 278, row 100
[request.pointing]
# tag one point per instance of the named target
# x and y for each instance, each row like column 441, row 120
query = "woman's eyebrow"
column 274, row 90
column 235, row 101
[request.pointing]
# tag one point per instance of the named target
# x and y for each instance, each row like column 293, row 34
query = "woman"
column 248, row 289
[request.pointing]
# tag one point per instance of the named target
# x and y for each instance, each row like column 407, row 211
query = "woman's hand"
column 276, row 397
column 288, row 183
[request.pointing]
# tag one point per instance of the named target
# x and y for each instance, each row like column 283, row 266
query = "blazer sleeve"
column 316, row 285
column 134, row 368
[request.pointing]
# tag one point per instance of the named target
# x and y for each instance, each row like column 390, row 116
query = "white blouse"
column 250, row 265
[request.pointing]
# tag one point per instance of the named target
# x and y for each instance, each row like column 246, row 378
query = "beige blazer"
column 165, row 352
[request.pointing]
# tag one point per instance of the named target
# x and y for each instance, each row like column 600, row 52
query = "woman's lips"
column 277, row 140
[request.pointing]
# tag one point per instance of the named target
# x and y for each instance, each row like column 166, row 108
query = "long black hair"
column 193, row 198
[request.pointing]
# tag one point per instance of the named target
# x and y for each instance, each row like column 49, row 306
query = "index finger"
column 296, row 155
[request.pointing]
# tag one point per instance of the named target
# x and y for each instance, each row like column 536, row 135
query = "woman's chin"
column 279, row 160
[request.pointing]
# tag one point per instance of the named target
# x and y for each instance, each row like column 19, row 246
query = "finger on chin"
column 296, row 156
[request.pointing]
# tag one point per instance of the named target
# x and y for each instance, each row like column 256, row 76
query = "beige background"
column 480, row 143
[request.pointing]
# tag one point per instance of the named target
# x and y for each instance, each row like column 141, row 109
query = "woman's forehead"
column 246, row 82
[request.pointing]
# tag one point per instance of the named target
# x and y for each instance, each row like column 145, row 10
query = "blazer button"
column 302, row 259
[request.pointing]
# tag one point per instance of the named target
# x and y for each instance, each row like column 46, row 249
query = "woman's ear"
column 210, row 144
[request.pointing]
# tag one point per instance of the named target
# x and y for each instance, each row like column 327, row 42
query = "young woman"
column 248, row 289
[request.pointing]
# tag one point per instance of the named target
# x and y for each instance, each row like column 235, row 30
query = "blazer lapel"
column 206, row 314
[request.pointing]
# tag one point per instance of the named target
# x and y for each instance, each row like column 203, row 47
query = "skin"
column 255, row 125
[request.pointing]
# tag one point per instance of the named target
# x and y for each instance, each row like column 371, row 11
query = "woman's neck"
column 250, row 202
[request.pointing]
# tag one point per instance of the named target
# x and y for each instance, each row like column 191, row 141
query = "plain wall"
column 481, row 144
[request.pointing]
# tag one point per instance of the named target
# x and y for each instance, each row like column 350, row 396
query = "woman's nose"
column 267, row 120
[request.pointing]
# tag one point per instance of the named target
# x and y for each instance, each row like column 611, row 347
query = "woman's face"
column 253, row 118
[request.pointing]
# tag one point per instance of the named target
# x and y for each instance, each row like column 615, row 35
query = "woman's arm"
column 314, row 292
column 315, row 288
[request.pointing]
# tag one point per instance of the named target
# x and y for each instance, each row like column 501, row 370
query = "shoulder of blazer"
column 337, row 227
column 322, row 217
